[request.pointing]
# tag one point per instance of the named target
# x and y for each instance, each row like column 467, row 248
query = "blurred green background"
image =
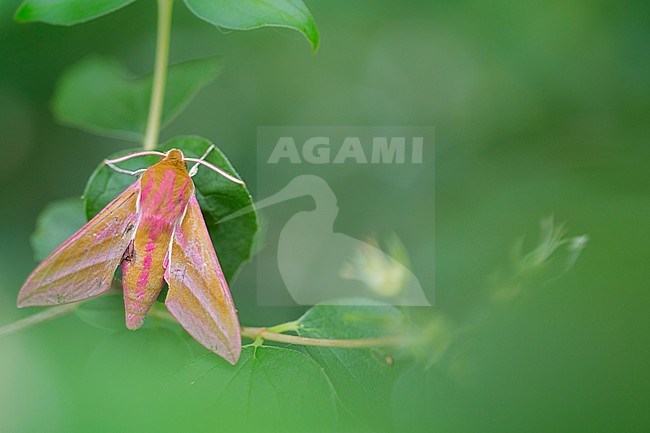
column 540, row 108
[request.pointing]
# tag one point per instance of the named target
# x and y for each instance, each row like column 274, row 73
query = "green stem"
column 159, row 74
column 260, row 334
column 35, row 319
column 273, row 333
column 46, row 315
column 285, row 327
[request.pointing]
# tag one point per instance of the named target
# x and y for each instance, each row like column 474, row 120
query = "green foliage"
column 228, row 14
column 58, row 221
column 252, row 14
column 105, row 184
column 66, row 12
column 217, row 196
column 99, row 96
column 105, row 312
column 271, row 389
column 362, row 378
column 136, row 366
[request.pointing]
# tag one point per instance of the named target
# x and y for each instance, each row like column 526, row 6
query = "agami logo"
column 322, row 150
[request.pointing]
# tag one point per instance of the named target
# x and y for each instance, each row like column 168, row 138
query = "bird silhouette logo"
column 318, row 265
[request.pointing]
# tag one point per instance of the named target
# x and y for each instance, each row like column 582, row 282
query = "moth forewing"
column 84, row 265
column 171, row 241
column 198, row 295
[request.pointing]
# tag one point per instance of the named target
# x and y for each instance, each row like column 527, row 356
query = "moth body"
column 165, row 190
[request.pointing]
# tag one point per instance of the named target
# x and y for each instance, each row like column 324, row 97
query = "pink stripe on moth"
column 142, row 284
column 135, row 305
column 180, row 197
column 146, row 266
column 153, row 197
column 146, row 190
column 156, row 225
column 165, row 189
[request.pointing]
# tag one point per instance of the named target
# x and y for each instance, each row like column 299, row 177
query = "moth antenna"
column 111, row 162
column 134, row 155
column 195, row 167
column 216, row 169
column 121, row 170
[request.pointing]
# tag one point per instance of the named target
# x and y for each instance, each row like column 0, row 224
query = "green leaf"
column 217, row 196
column 60, row 220
column 253, row 14
column 105, row 312
column 362, row 377
column 105, row 184
column 271, row 389
column 66, row 12
column 121, row 388
column 99, row 96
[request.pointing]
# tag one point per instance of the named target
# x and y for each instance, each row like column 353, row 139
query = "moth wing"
column 198, row 295
column 83, row 266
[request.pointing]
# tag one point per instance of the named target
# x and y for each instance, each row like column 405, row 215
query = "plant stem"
column 273, row 333
column 348, row 343
column 159, row 73
column 284, row 327
column 35, row 319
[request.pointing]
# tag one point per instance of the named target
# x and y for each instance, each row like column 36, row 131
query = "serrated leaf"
column 217, row 196
column 361, row 377
column 253, row 14
column 58, row 221
column 66, row 12
column 271, row 389
column 99, row 96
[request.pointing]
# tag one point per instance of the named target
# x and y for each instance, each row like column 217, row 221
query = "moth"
column 156, row 231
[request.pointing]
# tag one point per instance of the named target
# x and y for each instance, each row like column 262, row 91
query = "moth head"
column 174, row 158
column 174, row 155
